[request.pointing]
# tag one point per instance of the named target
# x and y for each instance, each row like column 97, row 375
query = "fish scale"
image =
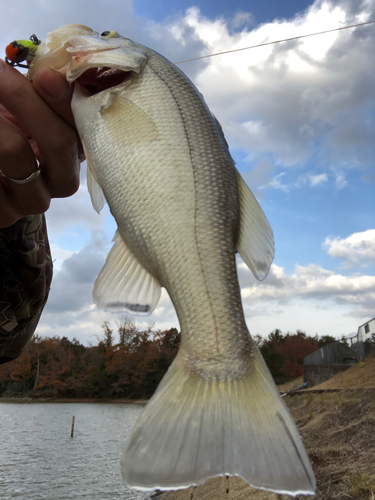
column 213, row 213
column 159, row 158
column 216, row 215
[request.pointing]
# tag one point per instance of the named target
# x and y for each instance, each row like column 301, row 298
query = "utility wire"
column 276, row 41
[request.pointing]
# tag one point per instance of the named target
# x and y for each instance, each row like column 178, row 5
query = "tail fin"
column 193, row 429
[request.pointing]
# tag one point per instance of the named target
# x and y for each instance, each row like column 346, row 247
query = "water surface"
column 39, row 460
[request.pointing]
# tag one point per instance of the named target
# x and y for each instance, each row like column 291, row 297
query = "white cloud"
column 241, row 19
column 289, row 100
column 72, row 285
column 358, row 248
column 341, row 182
column 312, row 298
column 307, row 282
column 276, row 183
column 259, row 176
column 70, row 309
column 82, row 319
column 315, row 180
column 58, row 256
column 295, row 99
column 74, row 211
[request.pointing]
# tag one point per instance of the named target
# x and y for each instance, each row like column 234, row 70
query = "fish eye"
column 109, row 34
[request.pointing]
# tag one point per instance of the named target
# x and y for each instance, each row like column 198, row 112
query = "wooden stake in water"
column 71, row 434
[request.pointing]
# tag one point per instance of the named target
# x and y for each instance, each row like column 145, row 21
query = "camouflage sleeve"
column 26, row 273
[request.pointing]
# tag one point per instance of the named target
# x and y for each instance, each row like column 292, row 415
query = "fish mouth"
column 95, row 80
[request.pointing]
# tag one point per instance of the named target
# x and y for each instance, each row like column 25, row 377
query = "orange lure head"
column 21, row 50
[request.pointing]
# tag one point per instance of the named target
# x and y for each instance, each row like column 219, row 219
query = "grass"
column 338, row 430
column 362, row 484
column 310, row 414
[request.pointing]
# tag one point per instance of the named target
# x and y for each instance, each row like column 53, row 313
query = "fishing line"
column 276, row 41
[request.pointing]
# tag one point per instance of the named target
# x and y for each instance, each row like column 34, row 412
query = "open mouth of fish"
column 95, row 80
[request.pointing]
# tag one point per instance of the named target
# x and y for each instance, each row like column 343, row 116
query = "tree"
column 127, row 329
column 108, row 334
column 324, row 340
column 274, row 360
column 293, row 349
column 133, row 367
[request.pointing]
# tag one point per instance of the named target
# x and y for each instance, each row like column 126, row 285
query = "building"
column 338, row 356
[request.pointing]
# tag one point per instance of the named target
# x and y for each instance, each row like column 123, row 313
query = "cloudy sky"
column 299, row 119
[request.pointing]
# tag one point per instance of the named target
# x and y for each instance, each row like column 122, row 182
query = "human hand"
column 36, row 122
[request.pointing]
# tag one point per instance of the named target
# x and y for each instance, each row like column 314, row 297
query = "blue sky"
column 299, row 119
column 303, row 218
column 261, row 10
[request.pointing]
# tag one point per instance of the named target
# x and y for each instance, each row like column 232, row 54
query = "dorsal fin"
column 255, row 243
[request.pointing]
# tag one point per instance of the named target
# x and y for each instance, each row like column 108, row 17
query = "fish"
column 159, row 158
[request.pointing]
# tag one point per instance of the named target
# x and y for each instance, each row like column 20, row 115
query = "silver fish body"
column 158, row 157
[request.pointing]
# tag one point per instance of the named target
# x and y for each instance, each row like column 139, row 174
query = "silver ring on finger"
column 30, row 178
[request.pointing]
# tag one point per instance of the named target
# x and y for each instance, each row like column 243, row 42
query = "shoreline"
column 28, row 399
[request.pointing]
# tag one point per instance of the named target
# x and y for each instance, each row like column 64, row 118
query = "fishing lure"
column 21, row 50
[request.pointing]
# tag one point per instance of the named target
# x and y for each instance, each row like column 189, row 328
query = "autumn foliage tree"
column 131, row 368
column 284, row 354
column 293, row 349
column 59, row 367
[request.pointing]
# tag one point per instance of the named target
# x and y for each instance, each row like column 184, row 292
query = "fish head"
column 96, row 61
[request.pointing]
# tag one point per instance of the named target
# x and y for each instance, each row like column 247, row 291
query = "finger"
column 21, row 200
column 57, row 140
column 17, row 161
column 55, row 91
column 16, row 155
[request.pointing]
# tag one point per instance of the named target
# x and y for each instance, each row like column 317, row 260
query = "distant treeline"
column 284, row 353
column 132, row 368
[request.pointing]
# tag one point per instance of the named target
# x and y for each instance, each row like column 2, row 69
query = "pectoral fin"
column 96, row 192
column 255, row 243
column 124, row 284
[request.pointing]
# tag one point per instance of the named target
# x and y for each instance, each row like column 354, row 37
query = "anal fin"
column 124, row 284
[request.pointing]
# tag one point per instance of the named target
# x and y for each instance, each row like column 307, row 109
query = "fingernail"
column 52, row 83
column 3, row 65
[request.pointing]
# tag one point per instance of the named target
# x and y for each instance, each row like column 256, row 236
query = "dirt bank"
column 338, row 430
column 361, row 375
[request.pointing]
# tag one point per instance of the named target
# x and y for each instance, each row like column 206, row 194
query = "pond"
column 39, row 459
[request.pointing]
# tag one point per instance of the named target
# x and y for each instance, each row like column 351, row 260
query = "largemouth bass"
column 159, row 158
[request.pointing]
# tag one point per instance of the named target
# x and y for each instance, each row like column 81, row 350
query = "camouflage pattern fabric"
column 26, row 273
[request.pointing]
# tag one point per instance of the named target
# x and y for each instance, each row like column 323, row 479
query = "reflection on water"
column 39, row 460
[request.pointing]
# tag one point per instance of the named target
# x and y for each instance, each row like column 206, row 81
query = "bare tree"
column 108, row 334
column 127, row 330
